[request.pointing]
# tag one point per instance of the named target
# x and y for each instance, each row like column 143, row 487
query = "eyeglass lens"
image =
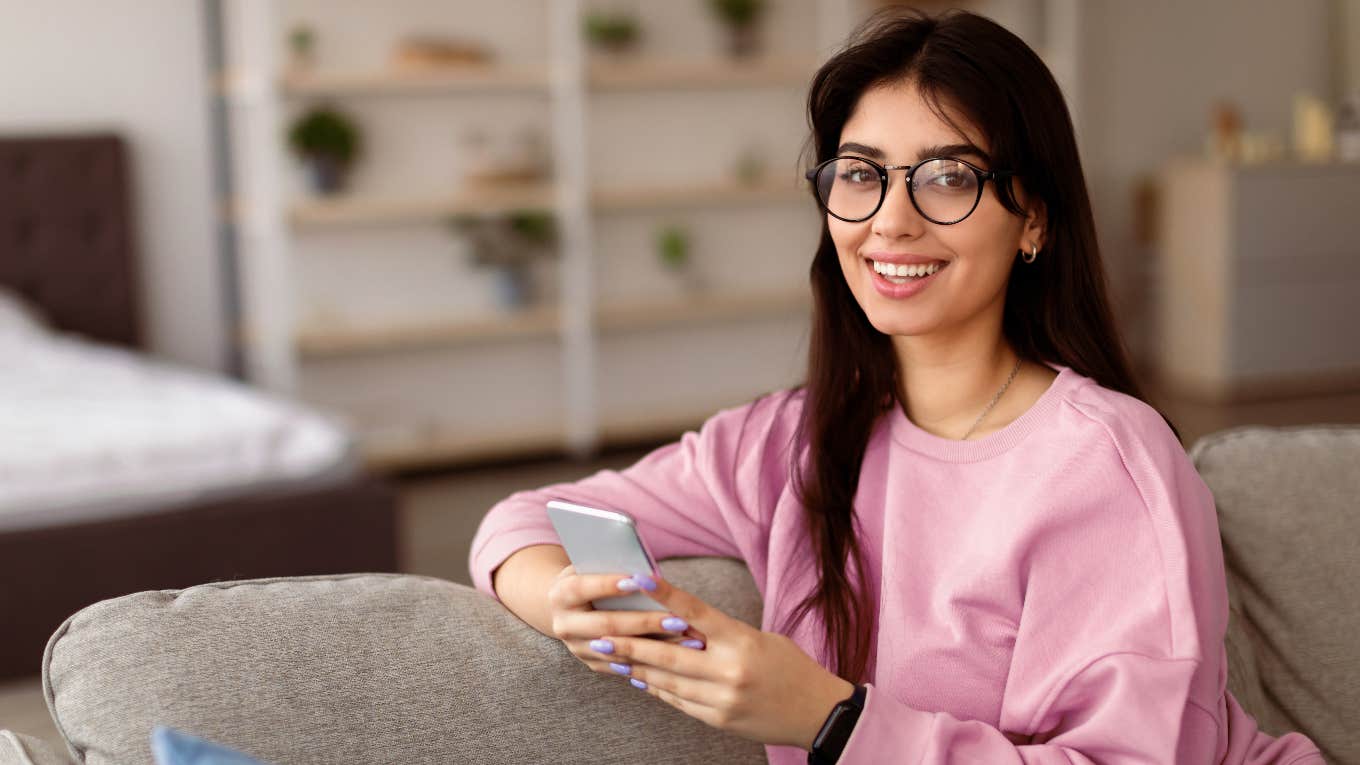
column 943, row 190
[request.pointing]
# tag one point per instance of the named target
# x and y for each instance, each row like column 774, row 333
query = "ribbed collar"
column 906, row 432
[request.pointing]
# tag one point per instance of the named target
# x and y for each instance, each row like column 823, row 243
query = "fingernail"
column 628, row 585
column 637, row 683
column 646, row 582
column 602, row 646
column 622, row 669
column 692, row 643
column 674, row 624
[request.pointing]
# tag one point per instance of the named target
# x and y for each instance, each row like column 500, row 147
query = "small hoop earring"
column 1031, row 255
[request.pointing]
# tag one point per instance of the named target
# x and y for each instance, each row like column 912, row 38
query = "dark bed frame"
column 67, row 246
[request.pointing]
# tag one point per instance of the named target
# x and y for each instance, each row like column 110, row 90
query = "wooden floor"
column 440, row 512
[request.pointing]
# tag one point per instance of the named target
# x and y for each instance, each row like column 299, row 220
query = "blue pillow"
column 172, row 747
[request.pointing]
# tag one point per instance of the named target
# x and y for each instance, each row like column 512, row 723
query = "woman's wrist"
column 831, row 693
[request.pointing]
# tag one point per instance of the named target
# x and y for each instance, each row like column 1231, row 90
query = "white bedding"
column 89, row 430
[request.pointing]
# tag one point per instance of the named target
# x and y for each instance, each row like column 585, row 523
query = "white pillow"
column 18, row 317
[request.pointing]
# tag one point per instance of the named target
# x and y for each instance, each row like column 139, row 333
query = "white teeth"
column 902, row 270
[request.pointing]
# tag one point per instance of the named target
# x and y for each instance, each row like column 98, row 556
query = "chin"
column 894, row 325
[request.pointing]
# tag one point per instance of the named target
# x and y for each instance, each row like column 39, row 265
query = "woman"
column 974, row 540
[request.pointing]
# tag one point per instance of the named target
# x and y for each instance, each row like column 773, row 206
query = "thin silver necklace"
column 995, row 399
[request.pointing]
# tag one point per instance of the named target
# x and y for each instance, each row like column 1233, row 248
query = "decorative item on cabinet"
column 1348, row 129
column 511, row 244
column 328, row 142
column 1312, row 129
column 742, row 19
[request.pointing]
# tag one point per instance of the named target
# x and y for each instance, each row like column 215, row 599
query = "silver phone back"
column 604, row 542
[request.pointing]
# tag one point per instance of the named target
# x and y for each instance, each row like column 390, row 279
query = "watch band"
column 840, row 723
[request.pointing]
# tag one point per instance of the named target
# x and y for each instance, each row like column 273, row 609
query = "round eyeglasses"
column 944, row 190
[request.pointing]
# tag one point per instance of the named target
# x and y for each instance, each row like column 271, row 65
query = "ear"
column 1035, row 230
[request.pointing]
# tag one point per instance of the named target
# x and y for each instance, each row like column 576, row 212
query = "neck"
column 948, row 381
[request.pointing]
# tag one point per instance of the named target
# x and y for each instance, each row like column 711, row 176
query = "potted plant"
column 510, row 244
column 673, row 248
column 328, row 142
column 302, row 46
column 611, row 32
column 741, row 18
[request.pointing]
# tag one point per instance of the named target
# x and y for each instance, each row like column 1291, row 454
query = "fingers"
column 600, row 653
column 572, row 625
column 576, row 591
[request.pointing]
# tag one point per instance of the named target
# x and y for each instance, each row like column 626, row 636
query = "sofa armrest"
column 365, row 668
column 18, row 749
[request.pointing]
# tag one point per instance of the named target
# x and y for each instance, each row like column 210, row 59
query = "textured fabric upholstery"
column 18, row 749
column 1289, row 513
column 366, row 668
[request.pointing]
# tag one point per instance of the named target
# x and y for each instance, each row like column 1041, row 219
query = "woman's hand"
column 576, row 622
column 758, row 685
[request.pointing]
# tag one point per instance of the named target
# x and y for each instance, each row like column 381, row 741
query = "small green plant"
column 737, row 13
column 301, row 40
column 512, row 240
column 611, row 31
column 672, row 245
column 325, row 133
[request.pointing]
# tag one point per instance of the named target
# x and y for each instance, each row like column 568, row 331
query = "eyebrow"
column 948, row 150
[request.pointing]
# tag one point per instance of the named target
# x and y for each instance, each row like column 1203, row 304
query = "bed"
column 119, row 472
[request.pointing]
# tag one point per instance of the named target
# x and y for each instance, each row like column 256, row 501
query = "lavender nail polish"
column 637, row 683
column 622, row 669
column 692, row 643
column 602, row 646
column 645, row 582
column 674, row 624
column 628, row 585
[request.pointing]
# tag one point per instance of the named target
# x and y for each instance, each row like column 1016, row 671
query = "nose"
column 897, row 216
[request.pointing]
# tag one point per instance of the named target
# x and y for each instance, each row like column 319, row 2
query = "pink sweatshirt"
column 1053, row 592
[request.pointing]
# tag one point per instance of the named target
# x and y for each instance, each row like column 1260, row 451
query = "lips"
column 903, row 258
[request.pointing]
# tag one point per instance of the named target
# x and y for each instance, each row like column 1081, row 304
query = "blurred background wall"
column 138, row 68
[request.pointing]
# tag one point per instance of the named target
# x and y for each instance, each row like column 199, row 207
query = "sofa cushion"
column 18, row 749
column 366, row 668
column 1289, row 513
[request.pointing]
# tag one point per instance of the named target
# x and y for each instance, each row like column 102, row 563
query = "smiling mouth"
column 902, row 274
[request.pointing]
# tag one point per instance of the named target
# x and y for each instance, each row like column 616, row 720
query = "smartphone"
column 602, row 541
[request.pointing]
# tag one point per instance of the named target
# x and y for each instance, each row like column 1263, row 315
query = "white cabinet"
column 1260, row 278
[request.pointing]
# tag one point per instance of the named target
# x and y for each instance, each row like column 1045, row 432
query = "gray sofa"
column 392, row 668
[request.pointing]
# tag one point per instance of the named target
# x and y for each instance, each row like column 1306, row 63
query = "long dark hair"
column 1056, row 308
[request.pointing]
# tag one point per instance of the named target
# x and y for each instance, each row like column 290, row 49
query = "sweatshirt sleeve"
column 694, row 497
column 1118, row 655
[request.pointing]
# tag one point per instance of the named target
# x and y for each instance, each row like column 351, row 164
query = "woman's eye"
column 950, row 180
column 859, row 175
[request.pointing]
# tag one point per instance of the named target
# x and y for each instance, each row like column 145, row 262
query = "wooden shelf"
column 478, row 200
column 544, row 322
column 540, row 322
column 631, row 72
column 472, row 78
column 377, row 210
column 698, row 195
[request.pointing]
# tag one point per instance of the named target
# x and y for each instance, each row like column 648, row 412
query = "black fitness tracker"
column 830, row 740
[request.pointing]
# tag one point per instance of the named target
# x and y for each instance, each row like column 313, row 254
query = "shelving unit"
column 363, row 304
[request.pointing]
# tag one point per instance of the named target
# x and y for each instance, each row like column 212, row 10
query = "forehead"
column 896, row 118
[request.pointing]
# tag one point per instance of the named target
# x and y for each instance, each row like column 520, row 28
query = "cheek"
column 848, row 237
